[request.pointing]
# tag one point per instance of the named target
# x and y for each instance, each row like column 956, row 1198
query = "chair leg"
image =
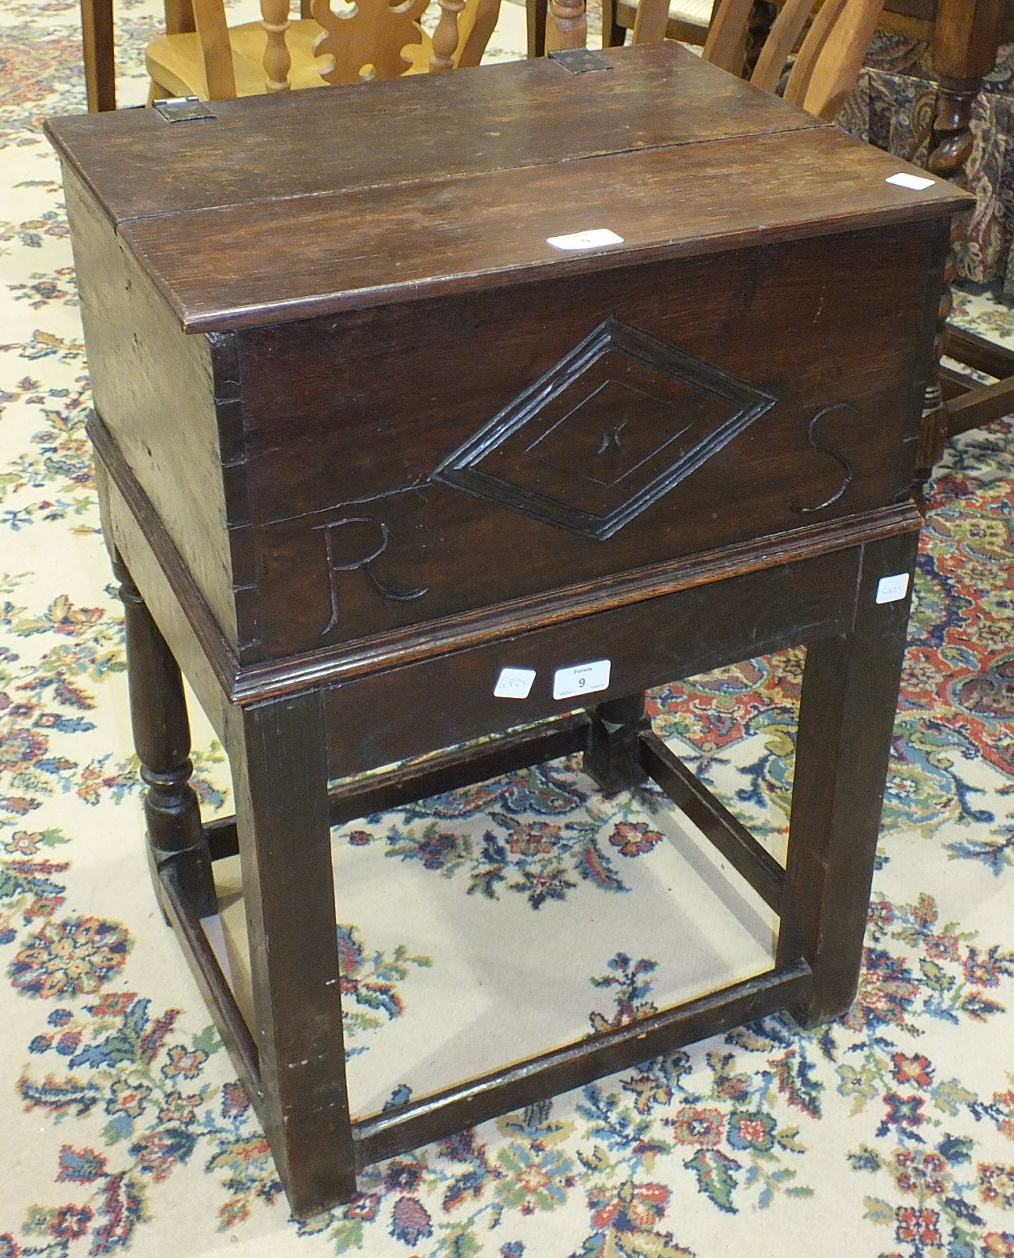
column 566, row 25
column 98, row 46
column 846, row 718
column 279, row 765
column 613, row 34
column 535, row 13
column 158, row 711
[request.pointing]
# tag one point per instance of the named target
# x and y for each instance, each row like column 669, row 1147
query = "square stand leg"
column 843, row 744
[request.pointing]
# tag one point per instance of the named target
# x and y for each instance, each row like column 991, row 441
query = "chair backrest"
column 368, row 39
column 335, row 43
column 828, row 61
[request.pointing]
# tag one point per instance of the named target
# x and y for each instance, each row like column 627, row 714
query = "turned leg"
column 951, row 145
column 535, row 12
column 964, row 52
column 934, row 432
column 158, row 713
column 567, row 26
column 279, row 765
column 612, row 756
column 846, row 719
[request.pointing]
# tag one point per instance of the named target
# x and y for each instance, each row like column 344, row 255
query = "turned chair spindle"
column 332, row 44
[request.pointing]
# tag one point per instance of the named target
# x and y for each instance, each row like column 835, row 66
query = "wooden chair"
column 958, row 32
column 963, row 401
column 825, row 69
column 688, row 22
column 827, row 63
column 353, row 43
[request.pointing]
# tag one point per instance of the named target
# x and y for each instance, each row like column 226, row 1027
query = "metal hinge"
column 580, row 60
column 183, row 109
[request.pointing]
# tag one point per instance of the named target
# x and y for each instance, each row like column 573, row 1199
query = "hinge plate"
column 580, row 60
column 183, row 109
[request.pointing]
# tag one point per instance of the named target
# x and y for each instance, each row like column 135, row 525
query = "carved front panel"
column 424, row 461
column 616, row 424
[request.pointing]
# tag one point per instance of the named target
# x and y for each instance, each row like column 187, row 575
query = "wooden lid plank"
column 329, row 200
column 295, row 144
column 231, row 268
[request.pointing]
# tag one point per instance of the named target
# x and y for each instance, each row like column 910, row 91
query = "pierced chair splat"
column 336, row 44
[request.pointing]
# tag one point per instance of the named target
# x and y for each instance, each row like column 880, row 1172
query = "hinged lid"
column 286, row 207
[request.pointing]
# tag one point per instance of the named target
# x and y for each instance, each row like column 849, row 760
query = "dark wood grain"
column 280, row 785
column 846, row 715
column 154, row 388
column 849, row 359
column 438, row 1116
column 134, row 530
column 436, row 773
column 965, row 402
column 359, row 237
column 979, row 353
column 217, row 674
column 456, row 767
column 612, row 758
column 648, row 643
column 714, row 820
column 983, row 406
column 400, row 131
column 314, row 256
column 214, row 987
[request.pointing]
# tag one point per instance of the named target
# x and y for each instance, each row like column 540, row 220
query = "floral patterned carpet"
column 889, row 1133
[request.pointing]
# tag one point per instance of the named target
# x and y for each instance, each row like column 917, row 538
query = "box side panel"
column 419, row 462
column 154, row 388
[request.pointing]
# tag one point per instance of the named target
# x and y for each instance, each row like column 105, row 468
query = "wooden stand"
column 294, row 1069
column 358, row 484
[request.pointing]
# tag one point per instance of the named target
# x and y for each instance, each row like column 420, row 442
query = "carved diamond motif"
column 617, row 423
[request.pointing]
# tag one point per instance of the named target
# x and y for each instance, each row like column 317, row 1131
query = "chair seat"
column 175, row 62
column 688, row 19
column 695, row 11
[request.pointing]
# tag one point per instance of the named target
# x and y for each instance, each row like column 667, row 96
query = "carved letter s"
column 840, row 459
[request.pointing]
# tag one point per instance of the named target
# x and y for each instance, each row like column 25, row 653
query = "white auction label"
column 596, row 239
column 916, row 182
column 890, row 589
column 582, row 679
column 514, row 683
